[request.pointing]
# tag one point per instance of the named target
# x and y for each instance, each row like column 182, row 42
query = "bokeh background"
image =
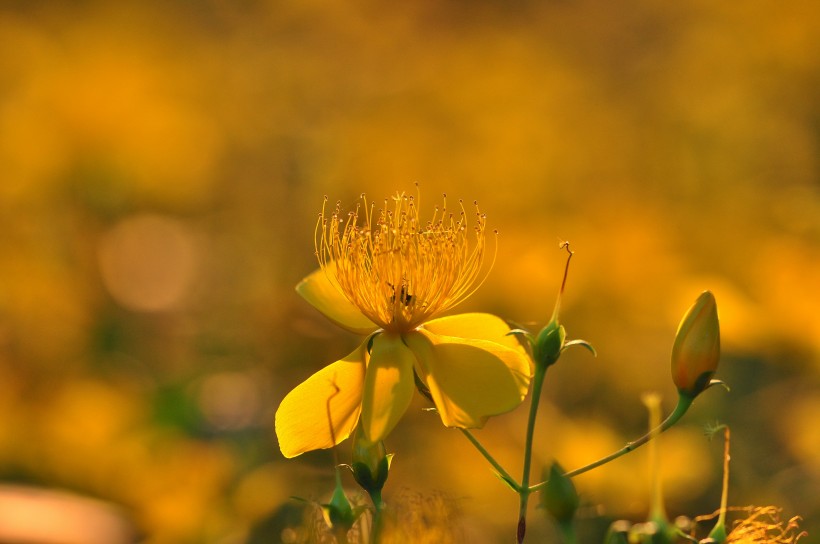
column 162, row 165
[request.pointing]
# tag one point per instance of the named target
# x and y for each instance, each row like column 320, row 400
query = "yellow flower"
column 387, row 274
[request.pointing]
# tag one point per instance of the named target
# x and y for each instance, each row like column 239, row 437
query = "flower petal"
column 469, row 380
column 388, row 387
column 478, row 326
column 321, row 292
column 302, row 418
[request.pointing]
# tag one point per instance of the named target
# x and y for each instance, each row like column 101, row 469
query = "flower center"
column 396, row 268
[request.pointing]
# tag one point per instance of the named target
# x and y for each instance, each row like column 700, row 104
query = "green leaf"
column 582, row 343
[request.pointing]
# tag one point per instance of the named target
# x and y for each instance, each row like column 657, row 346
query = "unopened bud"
column 696, row 351
column 549, row 343
column 339, row 514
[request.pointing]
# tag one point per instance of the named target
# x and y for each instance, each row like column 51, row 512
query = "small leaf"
column 721, row 383
column 582, row 343
column 522, row 335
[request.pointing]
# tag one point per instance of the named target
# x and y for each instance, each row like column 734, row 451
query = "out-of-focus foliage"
column 162, row 165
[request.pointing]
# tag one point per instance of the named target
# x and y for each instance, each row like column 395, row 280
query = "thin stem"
column 376, row 497
column 557, row 308
column 498, row 468
column 724, row 497
column 524, row 492
column 567, row 531
column 684, row 402
column 341, row 536
column 718, row 532
column 657, row 511
column 378, row 507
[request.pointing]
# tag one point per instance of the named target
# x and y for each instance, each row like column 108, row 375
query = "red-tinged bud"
column 696, row 351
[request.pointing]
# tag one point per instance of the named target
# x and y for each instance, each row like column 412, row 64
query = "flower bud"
column 559, row 496
column 339, row 514
column 696, row 351
column 370, row 463
column 549, row 343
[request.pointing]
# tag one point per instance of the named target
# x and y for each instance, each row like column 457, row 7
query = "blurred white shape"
column 41, row 516
column 148, row 262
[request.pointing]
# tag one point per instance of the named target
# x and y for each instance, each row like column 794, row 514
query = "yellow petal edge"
column 470, row 380
column 476, row 326
column 302, row 422
column 320, row 292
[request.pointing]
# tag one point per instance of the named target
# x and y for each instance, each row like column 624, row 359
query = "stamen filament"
column 399, row 271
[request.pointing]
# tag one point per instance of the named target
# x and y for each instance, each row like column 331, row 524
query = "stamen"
column 396, row 272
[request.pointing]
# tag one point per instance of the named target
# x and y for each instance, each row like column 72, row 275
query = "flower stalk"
column 718, row 532
column 524, row 490
column 547, row 348
column 684, row 402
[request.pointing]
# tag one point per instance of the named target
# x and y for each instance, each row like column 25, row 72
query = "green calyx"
column 371, row 480
column 370, row 465
column 339, row 514
column 549, row 344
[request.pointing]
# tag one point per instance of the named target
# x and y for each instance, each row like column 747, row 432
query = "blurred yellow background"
column 162, row 165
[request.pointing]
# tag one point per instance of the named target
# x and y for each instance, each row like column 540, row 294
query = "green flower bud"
column 696, row 351
column 370, row 464
column 339, row 514
column 549, row 343
column 559, row 496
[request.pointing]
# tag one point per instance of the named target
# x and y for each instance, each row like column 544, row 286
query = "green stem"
column 567, row 531
column 657, row 510
column 378, row 505
column 504, row 474
column 684, row 402
column 376, row 497
column 718, row 532
column 524, row 492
